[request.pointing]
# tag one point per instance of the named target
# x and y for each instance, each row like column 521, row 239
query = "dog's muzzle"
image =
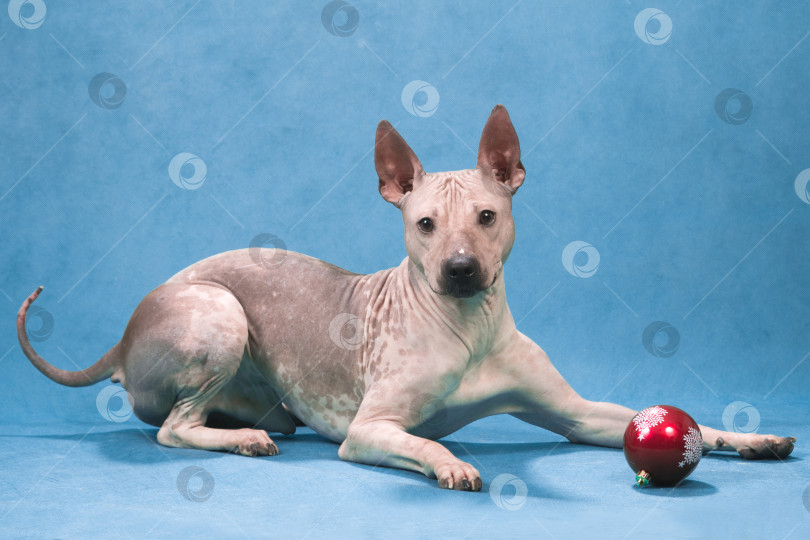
column 462, row 276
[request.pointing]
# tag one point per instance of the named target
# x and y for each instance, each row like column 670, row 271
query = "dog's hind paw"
column 767, row 447
column 255, row 442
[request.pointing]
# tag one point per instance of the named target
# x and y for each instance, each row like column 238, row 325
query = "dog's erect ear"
column 397, row 165
column 499, row 150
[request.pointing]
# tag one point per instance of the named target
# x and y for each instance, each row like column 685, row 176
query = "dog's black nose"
column 461, row 274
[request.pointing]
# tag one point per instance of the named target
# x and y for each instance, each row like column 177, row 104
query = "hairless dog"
column 251, row 341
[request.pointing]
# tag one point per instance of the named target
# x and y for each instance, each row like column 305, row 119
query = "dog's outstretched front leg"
column 547, row 400
column 383, row 442
column 603, row 424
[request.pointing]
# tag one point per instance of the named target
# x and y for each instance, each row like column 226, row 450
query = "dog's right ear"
column 397, row 165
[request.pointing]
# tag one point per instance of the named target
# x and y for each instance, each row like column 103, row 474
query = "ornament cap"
column 642, row 478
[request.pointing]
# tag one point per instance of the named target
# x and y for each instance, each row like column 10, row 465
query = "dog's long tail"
column 98, row 371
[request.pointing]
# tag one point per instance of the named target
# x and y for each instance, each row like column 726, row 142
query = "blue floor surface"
column 84, row 480
column 664, row 143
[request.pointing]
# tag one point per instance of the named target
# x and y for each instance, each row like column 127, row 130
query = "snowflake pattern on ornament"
column 692, row 447
column 649, row 417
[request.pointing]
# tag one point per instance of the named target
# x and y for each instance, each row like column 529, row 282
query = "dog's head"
column 458, row 225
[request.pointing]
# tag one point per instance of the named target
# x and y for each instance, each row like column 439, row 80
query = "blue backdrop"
column 662, row 245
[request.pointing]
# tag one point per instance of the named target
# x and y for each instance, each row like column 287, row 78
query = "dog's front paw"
column 458, row 475
column 255, row 442
column 766, row 447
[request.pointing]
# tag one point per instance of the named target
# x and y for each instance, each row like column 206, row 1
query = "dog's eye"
column 487, row 217
column 425, row 225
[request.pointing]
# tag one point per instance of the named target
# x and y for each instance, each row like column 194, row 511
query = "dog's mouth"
column 465, row 289
column 459, row 291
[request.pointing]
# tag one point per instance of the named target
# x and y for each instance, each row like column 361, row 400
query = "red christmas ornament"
column 663, row 445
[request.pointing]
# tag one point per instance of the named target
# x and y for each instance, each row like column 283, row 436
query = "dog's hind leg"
column 183, row 345
column 185, row 427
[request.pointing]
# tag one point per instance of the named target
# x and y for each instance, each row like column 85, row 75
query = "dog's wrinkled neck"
column 475, row 320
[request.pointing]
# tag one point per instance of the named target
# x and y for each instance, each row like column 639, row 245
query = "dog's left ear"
column 499, row 149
